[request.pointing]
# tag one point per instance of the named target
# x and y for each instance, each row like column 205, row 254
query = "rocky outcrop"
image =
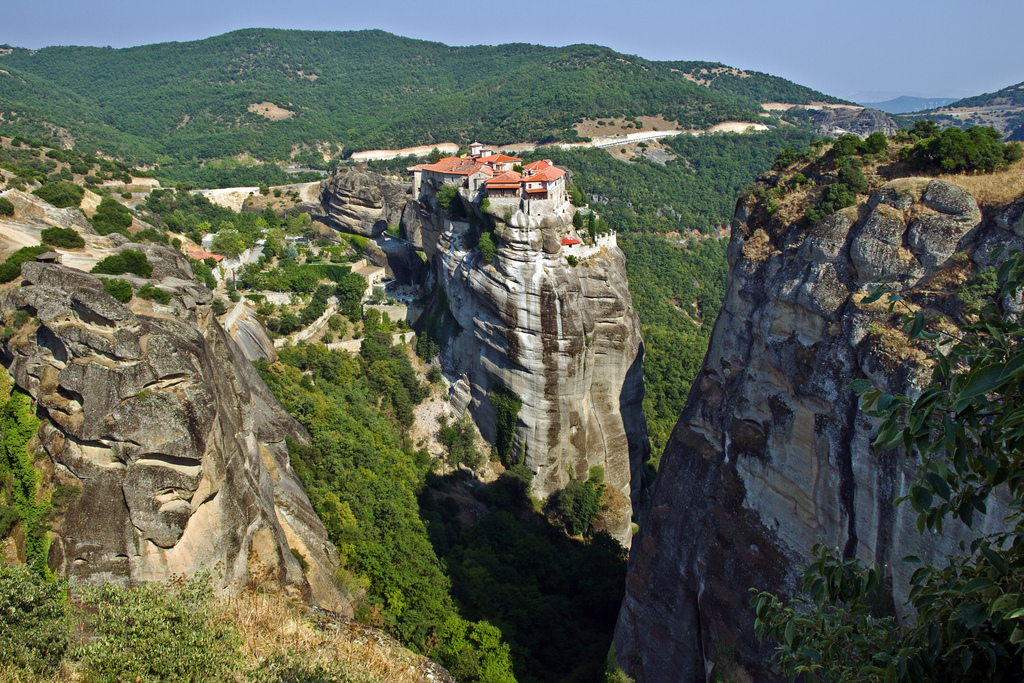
column 32, row 210
column 175, row 444
column 565, row 339
column 363, row 202
column 833, row 122
column 422, row 225
column 249, row 333
column 771, row 453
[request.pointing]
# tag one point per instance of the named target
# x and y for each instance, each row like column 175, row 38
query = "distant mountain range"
column 907, row 104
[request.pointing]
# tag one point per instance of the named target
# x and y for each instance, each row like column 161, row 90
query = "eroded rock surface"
column 863, row 122
column 176, row 445
column 363, row 202
column 771, row 453
column 565, row 339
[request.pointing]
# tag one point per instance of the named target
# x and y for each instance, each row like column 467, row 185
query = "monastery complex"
column 484, row 173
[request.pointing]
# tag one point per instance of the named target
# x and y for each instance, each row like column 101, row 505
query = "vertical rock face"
column 176, row 445
column 362, row 202
column 565, row 339
column 771, row 453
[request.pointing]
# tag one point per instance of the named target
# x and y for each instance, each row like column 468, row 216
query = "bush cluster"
column 64, row 238
column 125, row 261
column 62, row 194
column 11, row 268
column 111, row 217
column 119, row 289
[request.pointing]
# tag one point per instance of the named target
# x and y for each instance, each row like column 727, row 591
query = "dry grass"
column 992, row 189
column 590, row 128
column 269, row 110
column 271, row 625
column 758, row 248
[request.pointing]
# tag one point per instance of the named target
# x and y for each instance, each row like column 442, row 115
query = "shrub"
column 836, row 196
column 579, row 504
column 787, row 157
column 159, row 633
column 846, row 145
column 119, row 289
column 506, row 413
column 572, row 260
column 218, row 306
column 36, row 625
column 61, row 194
column 203, row 274
column 487, row 247
column 11, row 268
column 111, row 217
column 125, row 261
column 65, row 238
column 150, row 235
column 6, row 207
column 149, row 292
column 875, row 143
column 448, row 200
column 851, row 174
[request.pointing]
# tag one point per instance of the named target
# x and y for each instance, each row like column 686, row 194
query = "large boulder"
column 834, row 121
column 363, row 202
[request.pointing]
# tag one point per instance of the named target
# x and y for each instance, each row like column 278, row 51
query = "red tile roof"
column 548, row 174
column 457, row 166
column 538, row 165
column 506, row 179
column 199, row 255
column 498, row 159
column 569, row 241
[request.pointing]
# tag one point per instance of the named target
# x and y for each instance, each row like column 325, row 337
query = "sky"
column 868, row 51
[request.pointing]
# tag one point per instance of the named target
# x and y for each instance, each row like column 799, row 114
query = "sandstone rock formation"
column 362, row 202
column 565, row 339
column 176, row 445
column 771, row 453
column 862, row 122
column 31, row 209
column 249, row 333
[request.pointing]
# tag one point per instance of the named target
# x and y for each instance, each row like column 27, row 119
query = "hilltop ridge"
column 354, row 90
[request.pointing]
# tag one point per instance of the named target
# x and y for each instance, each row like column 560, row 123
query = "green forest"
column 677, row 292
column 178, row 103
column 697, row 190
column 544, row 604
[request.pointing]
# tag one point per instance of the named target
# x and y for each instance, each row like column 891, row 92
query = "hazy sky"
column 871, row 50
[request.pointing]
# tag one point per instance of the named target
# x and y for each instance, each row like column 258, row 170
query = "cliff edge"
column 772, row 453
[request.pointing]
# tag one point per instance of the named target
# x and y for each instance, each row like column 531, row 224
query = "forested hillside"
column 350, row 91
column 1003, row 109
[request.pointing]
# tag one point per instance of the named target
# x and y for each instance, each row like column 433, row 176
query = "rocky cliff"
column 771, row 453
column 833, row 122
column 362, row 202
column 564, row 338
column 174, row 444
